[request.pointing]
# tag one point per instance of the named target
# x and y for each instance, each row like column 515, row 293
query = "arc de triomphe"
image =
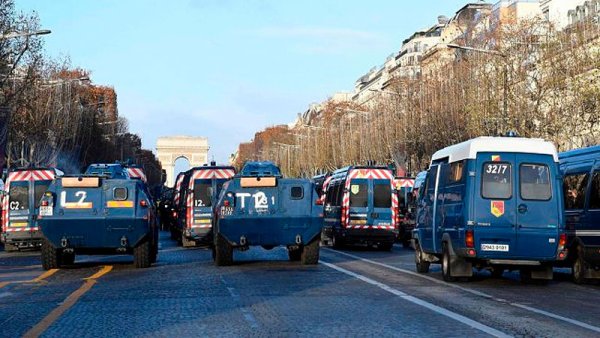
column 170, row 148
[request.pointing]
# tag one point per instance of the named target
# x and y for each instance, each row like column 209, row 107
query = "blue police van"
column 360, row 206
column 97, row 215
column 258, row 207
column 199, row 194
column 492, row 203
column 581, row 182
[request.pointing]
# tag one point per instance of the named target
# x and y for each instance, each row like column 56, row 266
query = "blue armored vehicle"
column 581, row 183
column 260, row 208
column 492, row 203
column 97, row 215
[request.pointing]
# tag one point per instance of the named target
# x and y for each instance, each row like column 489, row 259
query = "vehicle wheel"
column 67, row 258
column 422, row 265
column 446, row 267
column 578, row 268
column 294, row 254
column 10, row 247
column 223, row 251
column 187, row 243
column 154, row 255
column 50, row 256
column 497, row 272
column 310, row 253
column 336, row 241
column 386, row 246
column 141, row 255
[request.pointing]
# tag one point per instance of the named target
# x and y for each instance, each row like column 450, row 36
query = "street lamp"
column 505, row 75
column 11, row 35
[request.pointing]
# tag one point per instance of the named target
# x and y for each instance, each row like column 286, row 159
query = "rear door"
column 359, row 209
column 39, row 188
column 495, row 205
column 426, row 209
column 19, row 206
column 203, row 196
column 380, row 204
column 592, row 219
column 538, row 206
column 119, row 204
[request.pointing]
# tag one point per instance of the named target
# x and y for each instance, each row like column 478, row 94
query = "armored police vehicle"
column 20, row 204
column 493, row 203
column 581, row 182
column 100, row 214
column 202, row 188
column 258, row 207
column 360, row 206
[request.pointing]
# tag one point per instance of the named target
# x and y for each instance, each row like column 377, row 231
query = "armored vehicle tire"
column 142, row 255
column 386, row 246
column 422, row 265
column 578, row 268
column 310, row 253
column 187, row 243
column 223, row 251
column 50, row 256
column 446, row 266
column 67, row 258
column 294, row 254
column 10, row 247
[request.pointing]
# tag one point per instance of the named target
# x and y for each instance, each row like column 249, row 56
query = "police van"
column 405, row 222
column 20, row 205
column 360, row 206
column 97, row 215
column 258, row 207
column 581, row 183
column 492, row 203
column 195, row 214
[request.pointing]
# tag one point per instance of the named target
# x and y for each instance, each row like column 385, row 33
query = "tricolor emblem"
column 496, row 158
column 497, row 208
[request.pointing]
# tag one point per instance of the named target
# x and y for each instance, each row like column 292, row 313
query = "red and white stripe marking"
column 202, row 226
column 382, row 227
column 137, row 173
column 369, row 174
column 177, row 189
column 201, row 174
column 404, row 183
column 19, row 176
column 324, row 189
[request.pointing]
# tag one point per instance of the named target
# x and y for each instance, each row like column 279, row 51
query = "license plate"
column 494, row 247
column 46, row 211
column 226, row 211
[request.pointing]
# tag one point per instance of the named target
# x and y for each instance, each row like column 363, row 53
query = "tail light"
column 174, row 214
column 143, row 203
column 45, row 203
column 319, row 202
column 469, row 239
column 562, row 240
column 226, row 203
column 344, row 220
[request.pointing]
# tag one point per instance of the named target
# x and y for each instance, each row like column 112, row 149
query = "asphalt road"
column 354, row 292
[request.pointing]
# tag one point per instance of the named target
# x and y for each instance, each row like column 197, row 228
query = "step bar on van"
column 514, row 262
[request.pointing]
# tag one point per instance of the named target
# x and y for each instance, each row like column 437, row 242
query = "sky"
column 225, row 69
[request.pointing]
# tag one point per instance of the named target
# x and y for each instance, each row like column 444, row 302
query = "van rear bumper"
column 369, row 236
column 23, row 239
column 199, row 234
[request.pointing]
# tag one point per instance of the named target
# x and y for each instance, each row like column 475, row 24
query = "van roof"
column 470, row 148
column 580, row 154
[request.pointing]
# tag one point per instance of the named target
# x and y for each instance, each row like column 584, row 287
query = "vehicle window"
column 202, row 193
column 40, row 188
column 496, row 180
column 456, row 172
column 359, row 193
column 19, row 196
column 595, row 192
column 297, row 193
column 120, row 194
column 429, row 190
column 339, row 195
column 382, row 195
column 574, row 187
column 534, row 182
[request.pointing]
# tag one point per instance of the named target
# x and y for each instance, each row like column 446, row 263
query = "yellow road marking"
column 35, row 280
column 45, row 323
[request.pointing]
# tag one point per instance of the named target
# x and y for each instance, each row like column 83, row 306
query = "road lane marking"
column 236, row 298
column 415, row 300
column 38, row 279
column 474, row 292
column 71, row 299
